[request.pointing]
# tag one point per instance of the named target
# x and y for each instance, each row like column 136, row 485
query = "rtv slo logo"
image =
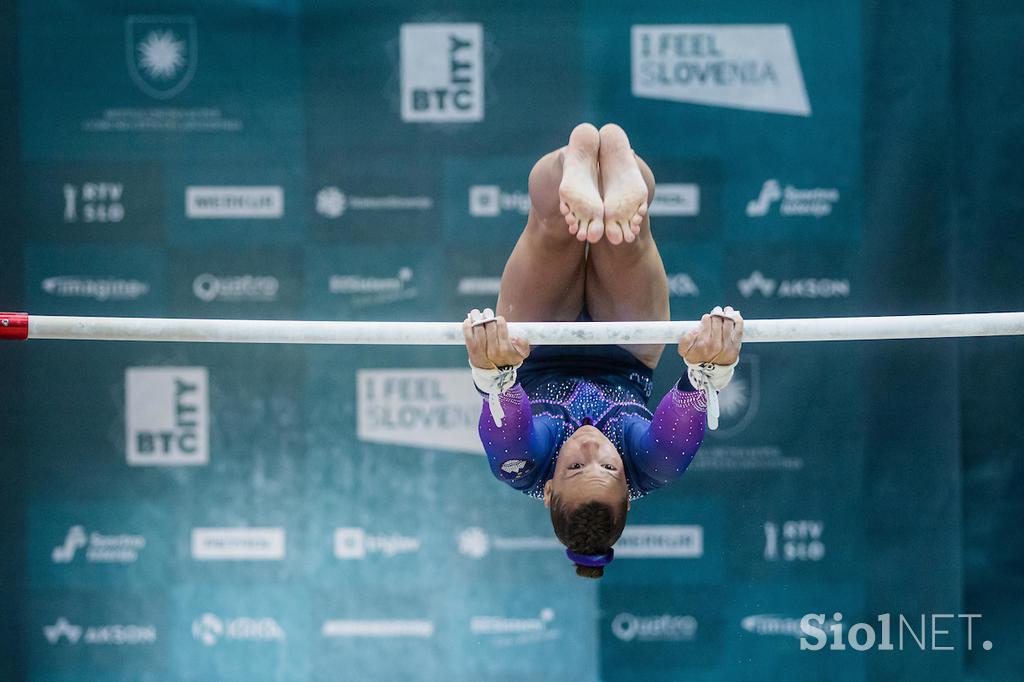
column 94, row 202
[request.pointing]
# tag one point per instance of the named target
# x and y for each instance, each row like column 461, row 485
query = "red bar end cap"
column 14, row 326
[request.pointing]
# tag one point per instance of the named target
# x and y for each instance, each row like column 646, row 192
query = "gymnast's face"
column 589, row 468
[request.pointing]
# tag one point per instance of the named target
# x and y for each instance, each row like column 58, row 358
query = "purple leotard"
column 655, row 449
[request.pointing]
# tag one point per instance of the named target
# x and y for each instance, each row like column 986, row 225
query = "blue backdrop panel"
column 197, row 512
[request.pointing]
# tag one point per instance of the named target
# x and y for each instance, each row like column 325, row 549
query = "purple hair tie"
column 591, row 560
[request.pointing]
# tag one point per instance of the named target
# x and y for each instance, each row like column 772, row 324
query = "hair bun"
column 589, row 571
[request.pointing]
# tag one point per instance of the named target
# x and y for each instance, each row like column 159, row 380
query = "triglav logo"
column 478, row 286
column 816, row 202
column 238, row 544
column 109, row 289
column 210, row 629
column 489, row 201
column 235, row 288
column 801, row 540
column 682, row 285
column 676, row 199
column 331, row 202
column 391, row 628
column 209, row 202
column 809, row 287
column 661, row 542
column 506, row 631
column 162, row 53
column 94, row 202
column 740, row 67
column 115, row 635
column 662, row 628
column 356, row 543
column 442, row 72
column 166, row 416
column 99, row 548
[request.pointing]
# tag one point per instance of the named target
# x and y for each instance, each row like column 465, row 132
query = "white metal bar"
column 537, row 333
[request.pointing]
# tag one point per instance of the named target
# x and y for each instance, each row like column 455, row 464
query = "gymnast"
column 570, row 424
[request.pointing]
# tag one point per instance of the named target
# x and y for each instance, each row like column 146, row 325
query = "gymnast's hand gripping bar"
column 25, row 326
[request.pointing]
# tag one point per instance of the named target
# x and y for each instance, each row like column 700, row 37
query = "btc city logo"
column 442, row 73
column 162, row 53
column 167, row 416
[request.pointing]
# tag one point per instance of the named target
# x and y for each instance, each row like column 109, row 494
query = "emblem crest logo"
column 162, row 53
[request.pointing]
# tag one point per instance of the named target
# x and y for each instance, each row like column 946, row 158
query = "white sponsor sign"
column 479, row 286
column 238, row 544
column 205, row 202
column 166, row 416
column 442, row 72
column 423, row 408
column 739, row 66
column 675, row 199
column 377, row 628
column 490, row 201
column 661, row 542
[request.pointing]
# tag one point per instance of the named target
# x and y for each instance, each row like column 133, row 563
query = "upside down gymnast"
column 570, row 424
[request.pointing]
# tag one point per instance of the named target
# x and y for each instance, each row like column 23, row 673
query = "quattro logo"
column 166, row 416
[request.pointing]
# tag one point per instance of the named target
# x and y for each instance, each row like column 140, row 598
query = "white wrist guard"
column 494, row 382
column 710, row 378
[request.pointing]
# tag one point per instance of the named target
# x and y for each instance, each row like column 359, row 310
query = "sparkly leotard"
column 655, row 449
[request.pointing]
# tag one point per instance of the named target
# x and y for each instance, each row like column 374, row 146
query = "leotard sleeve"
column 519, row 450
column 661, row 449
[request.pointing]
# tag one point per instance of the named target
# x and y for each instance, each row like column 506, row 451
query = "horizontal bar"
column 537, row 333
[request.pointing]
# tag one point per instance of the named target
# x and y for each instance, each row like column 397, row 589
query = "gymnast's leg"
column 543, row 278
column 625, row 278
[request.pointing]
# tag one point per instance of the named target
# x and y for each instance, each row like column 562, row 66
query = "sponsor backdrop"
column 228, row 513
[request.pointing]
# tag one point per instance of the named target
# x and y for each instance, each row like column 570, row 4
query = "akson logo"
column 752, row 67
column 167, row 416
column 99, row 635
column 442, row 73
column 809, row 287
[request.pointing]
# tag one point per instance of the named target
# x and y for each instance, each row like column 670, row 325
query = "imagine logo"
column 162, row 53
column 167, row 416
column 442, row 76
column 108, row 289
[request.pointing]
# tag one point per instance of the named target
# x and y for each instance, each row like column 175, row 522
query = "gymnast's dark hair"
column 589, row 528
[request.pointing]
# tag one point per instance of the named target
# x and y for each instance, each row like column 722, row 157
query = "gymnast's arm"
column 513, row 441
column 662, row 449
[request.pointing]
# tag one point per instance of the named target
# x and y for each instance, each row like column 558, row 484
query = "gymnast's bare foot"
column 625, row 192
column 579, row 199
